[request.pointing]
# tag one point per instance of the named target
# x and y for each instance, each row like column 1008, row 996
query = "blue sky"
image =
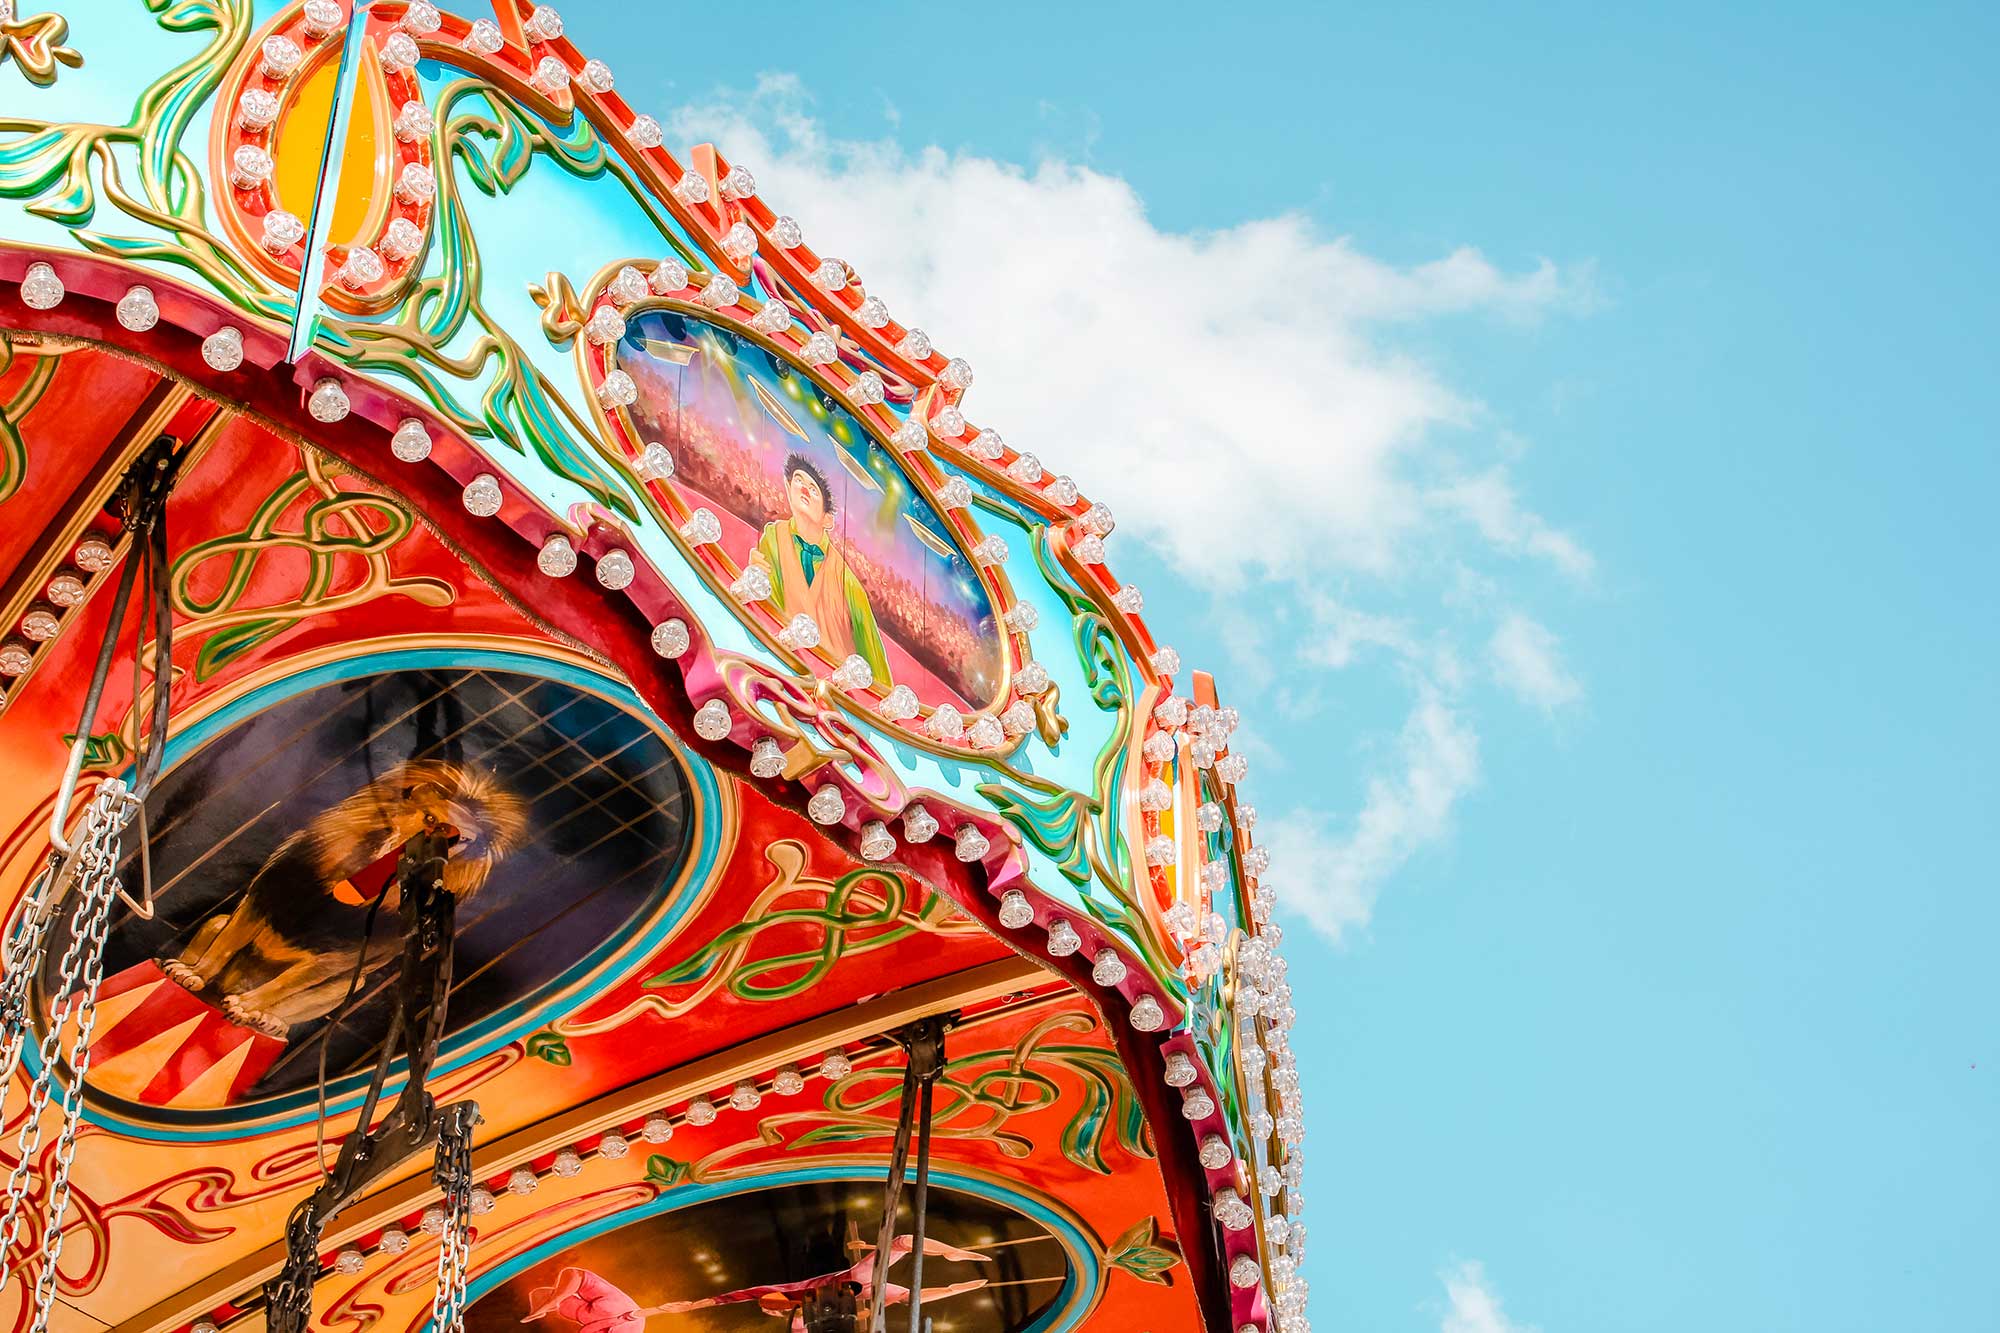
column 1569, row 438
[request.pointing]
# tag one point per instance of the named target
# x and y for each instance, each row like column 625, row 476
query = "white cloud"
column 1331, row 876
column 1238, row 398
column 1342, row 630
column 1488, row 502
column 1474, row 1306
column 1224, row 391
column 1527, row 660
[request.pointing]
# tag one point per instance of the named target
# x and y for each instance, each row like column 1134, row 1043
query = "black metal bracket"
column 413, row 1122
column 143, row 495
column 830, row 1310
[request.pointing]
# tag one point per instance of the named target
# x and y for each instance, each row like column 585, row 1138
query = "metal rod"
column 917, row 1321
column 878, row 1315
column 146, row 486
column 66, row 793
column 923, row 1047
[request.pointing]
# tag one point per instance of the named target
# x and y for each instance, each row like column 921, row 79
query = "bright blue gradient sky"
column 1655, row 989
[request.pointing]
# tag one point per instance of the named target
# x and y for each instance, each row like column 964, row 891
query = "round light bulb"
column 918, row 824
column 482, row 496
column 411, row 443
column 711, row 720
column 877, row 843
column 41, row 289
column 223, row 349
column 328, row 402
column 615, row 569
column 671, row 638
column 137, row 310
column 557, row 558
column 1015, row 909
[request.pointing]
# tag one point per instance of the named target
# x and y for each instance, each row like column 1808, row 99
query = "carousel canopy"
column 558, row 772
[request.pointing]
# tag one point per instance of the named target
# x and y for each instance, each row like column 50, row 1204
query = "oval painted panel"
column 803, row 490
column 702, row 1268
column 274, row 849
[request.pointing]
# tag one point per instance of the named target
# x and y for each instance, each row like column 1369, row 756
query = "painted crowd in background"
column 805, row 492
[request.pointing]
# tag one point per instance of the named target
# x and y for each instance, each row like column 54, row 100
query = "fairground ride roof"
column 527, row 471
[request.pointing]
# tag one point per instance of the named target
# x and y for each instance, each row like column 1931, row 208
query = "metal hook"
column 66, row 796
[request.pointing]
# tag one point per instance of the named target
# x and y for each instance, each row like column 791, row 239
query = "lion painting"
column 287, row 950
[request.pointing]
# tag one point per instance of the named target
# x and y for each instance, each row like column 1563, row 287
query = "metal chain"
column 102, row 897
column 88, row 866
column 81, row 971
column 27, row 940
column 454, row 1176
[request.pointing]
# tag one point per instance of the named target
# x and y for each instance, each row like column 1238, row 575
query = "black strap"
column 144, row 491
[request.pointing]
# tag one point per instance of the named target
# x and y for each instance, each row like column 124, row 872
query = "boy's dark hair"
column 800, row 463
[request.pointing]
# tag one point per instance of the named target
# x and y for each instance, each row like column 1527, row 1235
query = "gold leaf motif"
column 1141, row 1252
column 1050, row 725
column 34, row 42
column 562, row 313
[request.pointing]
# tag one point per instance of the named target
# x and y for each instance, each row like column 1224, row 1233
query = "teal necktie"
column 809, row 557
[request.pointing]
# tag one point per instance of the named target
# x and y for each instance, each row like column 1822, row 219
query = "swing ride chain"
column 454, row 1176
column 79, row 974
column 288, row 1299
column 89, row 865
column 27, row 937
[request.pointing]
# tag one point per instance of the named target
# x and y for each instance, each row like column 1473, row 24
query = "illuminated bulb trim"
column 41, row 289
column 969, row 844
column 671, row 638
column 711, row 720
column 1016, row 912
column 328, row 402
column 137, row 310
column 223, row 349
column 557, row 558
column 615, row 570
column 412, row 442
